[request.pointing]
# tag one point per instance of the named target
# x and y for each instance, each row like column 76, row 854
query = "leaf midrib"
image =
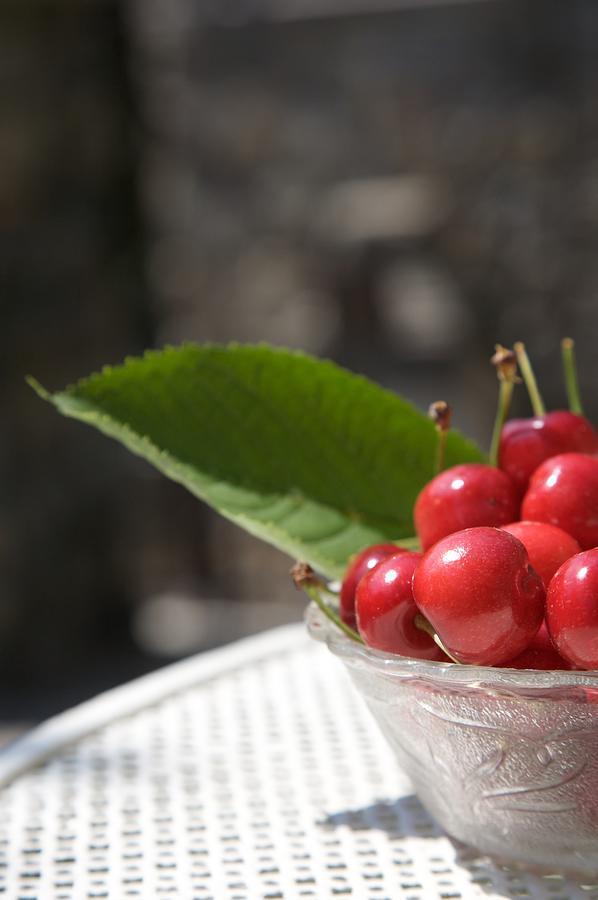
column 333, row 444
column 351, row 466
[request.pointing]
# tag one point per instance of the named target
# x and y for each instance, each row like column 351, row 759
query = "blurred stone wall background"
column 396, row 190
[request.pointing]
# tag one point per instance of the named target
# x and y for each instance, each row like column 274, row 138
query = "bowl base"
column 471, row 857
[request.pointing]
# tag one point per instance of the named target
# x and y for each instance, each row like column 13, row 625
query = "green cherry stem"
column 306, row 580
column 530, row 379
column 570, row 372
column 505, row 362
column 422, row 623
column 440, row 413
column 505, row 392
column 313, row 592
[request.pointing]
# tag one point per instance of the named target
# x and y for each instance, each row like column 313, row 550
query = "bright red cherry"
column 480, row 594
column 572, row 610
column 564, row 492
column 464, row 496
column 540, row 654
column 361, row 563
column 547, row 546
column 386, row 610
column 526, row 443
column 576, row 433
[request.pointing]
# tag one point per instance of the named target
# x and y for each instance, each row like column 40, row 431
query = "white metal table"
column 253, row 772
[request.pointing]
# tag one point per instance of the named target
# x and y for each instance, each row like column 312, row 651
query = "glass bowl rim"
column 357, row 655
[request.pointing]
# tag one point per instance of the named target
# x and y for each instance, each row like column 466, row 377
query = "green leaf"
column 313, row 459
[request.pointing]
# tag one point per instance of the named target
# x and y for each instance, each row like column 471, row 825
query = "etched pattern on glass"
column 505, row 760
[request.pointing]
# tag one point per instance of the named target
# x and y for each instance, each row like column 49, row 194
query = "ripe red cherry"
column 576, row 433
column 540, row 654
column 547, row 546
column 464, row 496
column 360, row 564
column 572, row 610
column 480, row 594
column 525, row 443
column 386, row 610
column 564, row 491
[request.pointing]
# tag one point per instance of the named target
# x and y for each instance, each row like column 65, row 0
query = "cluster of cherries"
column 508, row 573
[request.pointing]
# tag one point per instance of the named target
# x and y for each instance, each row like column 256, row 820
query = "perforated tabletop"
column 250, row 772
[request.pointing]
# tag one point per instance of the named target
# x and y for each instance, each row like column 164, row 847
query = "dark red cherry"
column 572, row 610
column 540, row 654
column 547, row 546
column 464, row 496
column 526, row 443
column 361, row 563
column 386, row 610
column 564, row 492
column 480, row 594
column 575, row 432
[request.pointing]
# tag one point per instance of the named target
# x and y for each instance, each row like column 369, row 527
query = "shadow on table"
column 400, row 817
column 406, row 816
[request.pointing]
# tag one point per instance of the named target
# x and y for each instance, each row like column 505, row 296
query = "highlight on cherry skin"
column 572, row 610
column 386, row 611
column 361, row 564
column 480, row 594
column 563, row 491
column 464, row 496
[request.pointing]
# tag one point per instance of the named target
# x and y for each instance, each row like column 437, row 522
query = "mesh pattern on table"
column 269, row 782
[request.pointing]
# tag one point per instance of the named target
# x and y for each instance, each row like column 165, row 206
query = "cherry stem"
column 530, row 379
column 306, row 580
column 570, row 372
column 505, row 362
column 440, row 413
column 505, row 392
column 422, row 623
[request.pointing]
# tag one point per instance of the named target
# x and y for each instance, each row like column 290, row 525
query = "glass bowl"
column 505, row 760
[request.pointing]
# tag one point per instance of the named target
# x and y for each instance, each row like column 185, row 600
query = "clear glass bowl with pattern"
column 505, row 760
